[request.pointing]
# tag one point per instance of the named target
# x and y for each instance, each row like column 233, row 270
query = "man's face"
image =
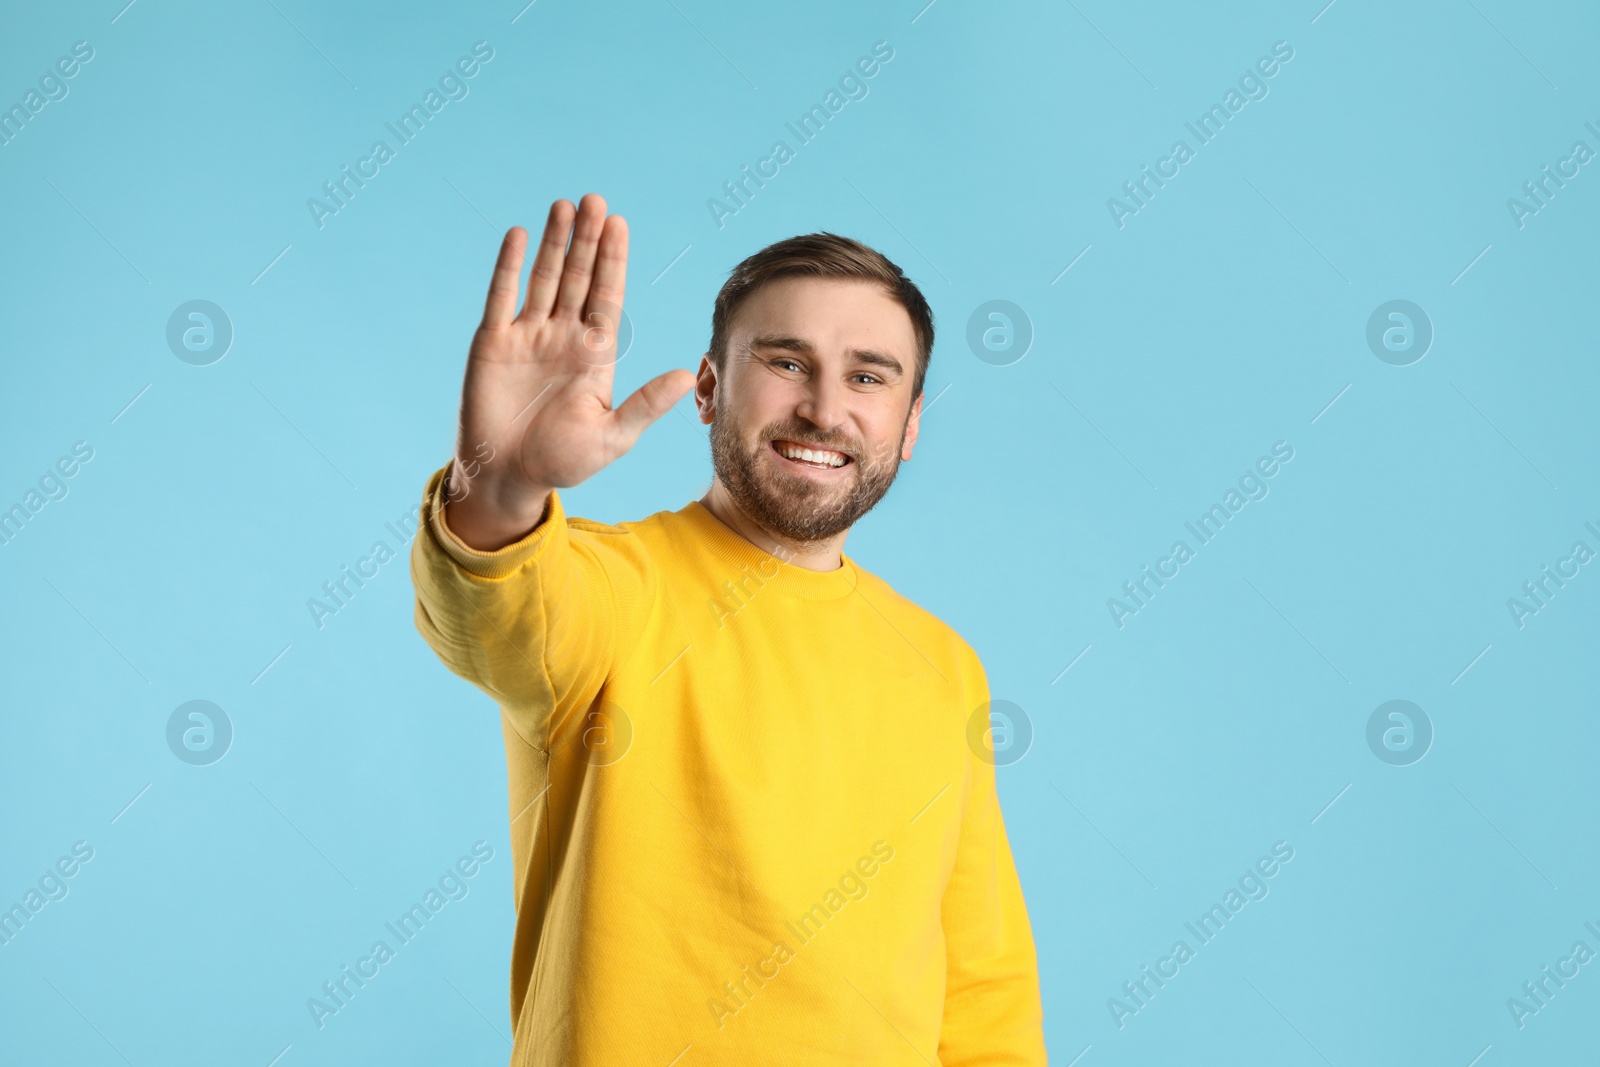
column 821, row 363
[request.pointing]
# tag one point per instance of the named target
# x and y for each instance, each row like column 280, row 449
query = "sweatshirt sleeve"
column 540, row 624
column 992, row 1010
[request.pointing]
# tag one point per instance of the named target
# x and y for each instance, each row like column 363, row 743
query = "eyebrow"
column 797, row 344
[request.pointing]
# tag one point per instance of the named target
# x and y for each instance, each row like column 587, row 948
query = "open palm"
column 536, row 411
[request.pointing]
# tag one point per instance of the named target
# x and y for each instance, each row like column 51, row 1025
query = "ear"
column 705, row 389
column 913, row 424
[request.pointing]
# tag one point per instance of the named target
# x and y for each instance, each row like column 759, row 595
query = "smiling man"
column 747, row 823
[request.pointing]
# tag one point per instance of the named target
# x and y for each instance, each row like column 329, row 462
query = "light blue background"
column 1227, row 315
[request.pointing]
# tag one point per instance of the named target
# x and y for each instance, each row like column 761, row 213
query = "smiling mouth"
column 819, row 459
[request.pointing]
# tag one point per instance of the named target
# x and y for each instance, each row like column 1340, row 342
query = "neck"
column 812, row 555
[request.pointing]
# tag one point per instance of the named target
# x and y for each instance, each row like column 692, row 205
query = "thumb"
column 649, row 402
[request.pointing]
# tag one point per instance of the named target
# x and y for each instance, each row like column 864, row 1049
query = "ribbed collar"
column 733, row 551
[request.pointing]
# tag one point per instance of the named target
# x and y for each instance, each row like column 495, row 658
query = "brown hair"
column 823, row 255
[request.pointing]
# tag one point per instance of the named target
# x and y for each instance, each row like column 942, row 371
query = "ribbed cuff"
column 500, row 562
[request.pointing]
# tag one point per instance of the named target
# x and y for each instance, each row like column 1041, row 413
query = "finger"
column 579, row 267
column 649, row 402
column 610, row 276
column 501, row 305
column 546, row 273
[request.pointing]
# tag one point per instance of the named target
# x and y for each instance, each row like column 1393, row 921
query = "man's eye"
column 789, row 362
column 868, row 377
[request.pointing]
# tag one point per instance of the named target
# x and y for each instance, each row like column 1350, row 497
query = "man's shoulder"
column 656, row 526
column 907, row 613
column 661, row 540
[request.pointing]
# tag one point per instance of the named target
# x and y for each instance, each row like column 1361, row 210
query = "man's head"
column 822, row 342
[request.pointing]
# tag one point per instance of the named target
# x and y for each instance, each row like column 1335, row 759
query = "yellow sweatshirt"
column 747, row 826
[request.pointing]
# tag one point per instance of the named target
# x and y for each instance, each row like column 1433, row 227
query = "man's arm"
column 537, row 624
column 992, row 1011
column 511, row 595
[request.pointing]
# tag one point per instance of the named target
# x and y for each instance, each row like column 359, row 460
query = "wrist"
column 487, row 513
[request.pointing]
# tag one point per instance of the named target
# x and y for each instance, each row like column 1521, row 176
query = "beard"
column 795, row 509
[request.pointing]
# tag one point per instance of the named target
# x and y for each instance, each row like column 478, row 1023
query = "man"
column 747, row 823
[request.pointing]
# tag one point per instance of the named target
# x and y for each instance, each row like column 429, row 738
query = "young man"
column 748, row 825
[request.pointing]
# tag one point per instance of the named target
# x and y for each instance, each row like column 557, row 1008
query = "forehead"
column 830, row 313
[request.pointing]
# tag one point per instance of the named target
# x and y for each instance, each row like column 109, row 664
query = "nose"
column 823, row 404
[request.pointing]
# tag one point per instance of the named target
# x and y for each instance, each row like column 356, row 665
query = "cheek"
column 757, row 409
column 888, row 441
column 880, row 454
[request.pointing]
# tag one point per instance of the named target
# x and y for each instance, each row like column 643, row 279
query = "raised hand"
column 536, row 410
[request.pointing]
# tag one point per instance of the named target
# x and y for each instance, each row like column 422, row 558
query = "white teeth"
column 832, row 459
